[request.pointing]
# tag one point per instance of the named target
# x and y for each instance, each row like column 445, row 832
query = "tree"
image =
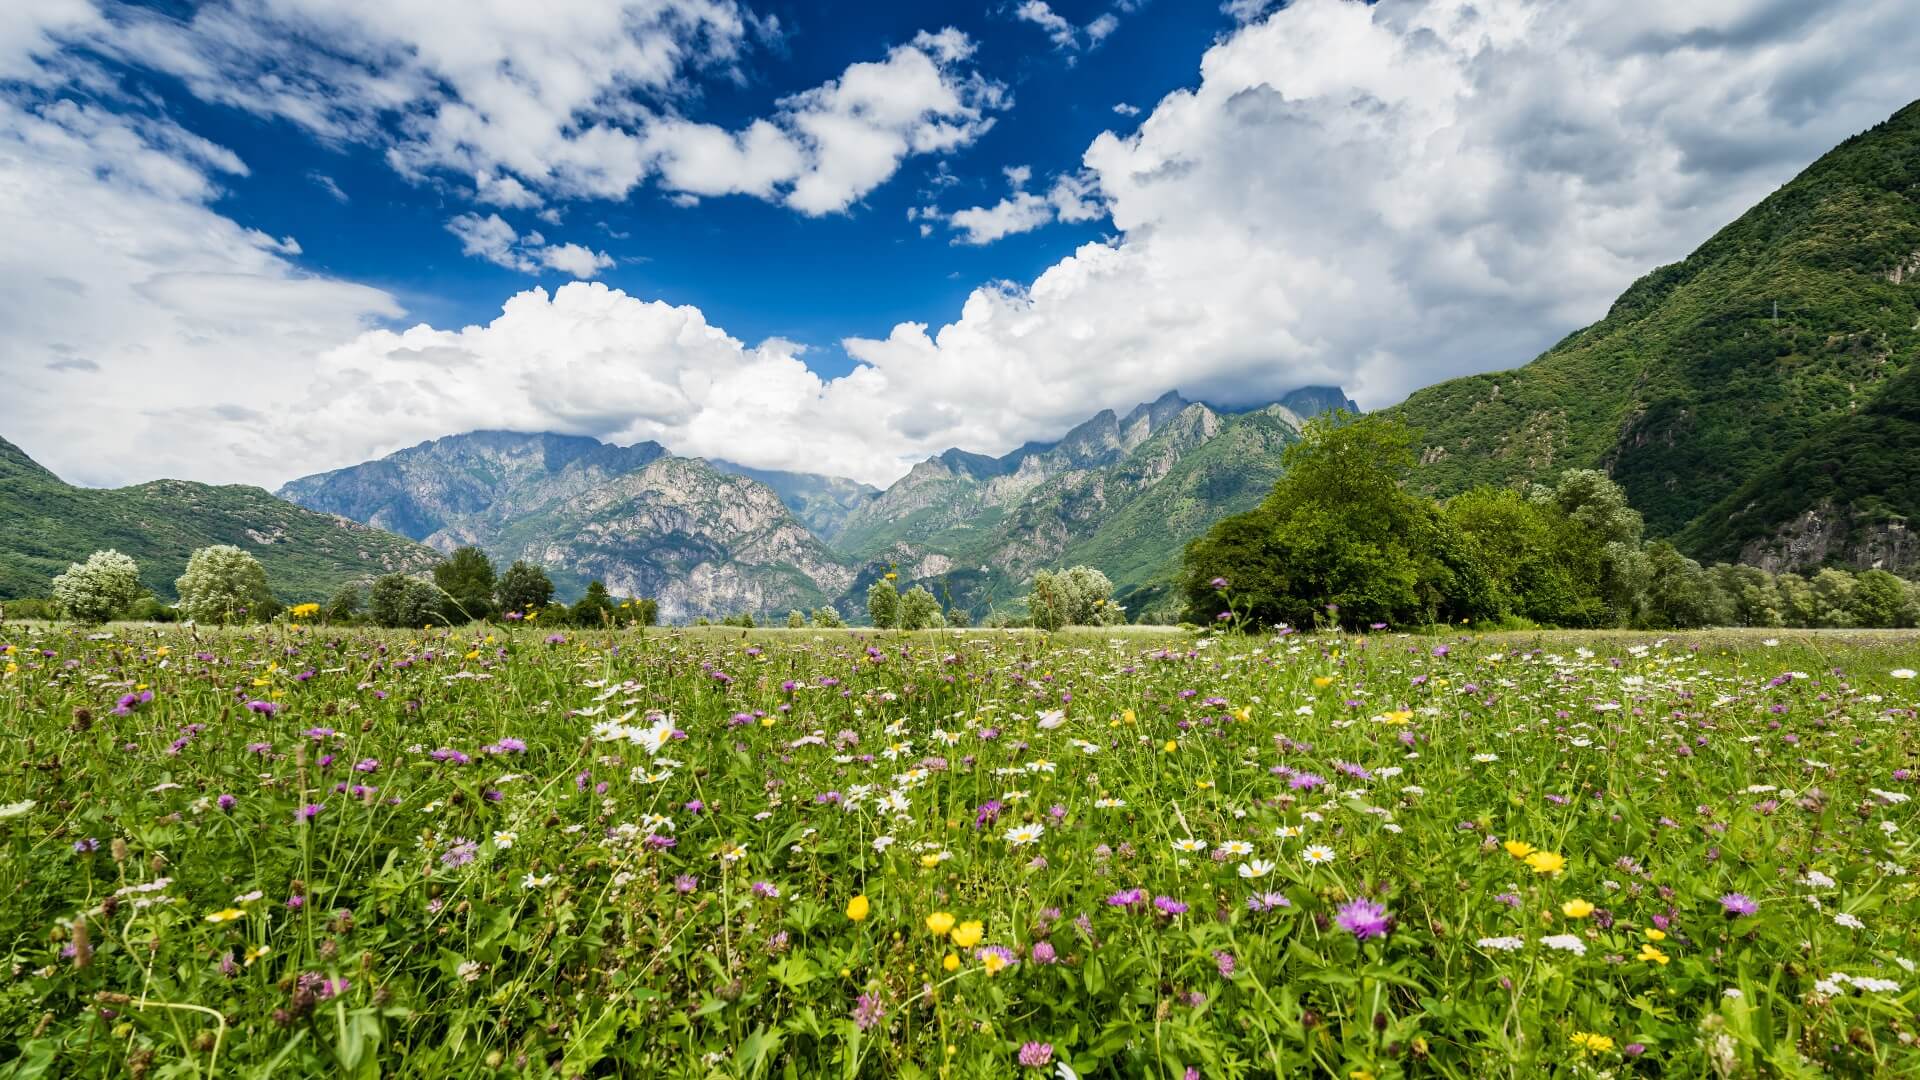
column 1752, row 598
column 883, row 604
column 466, row 578
column 644, row 612
column 1077, row 596
column 1604, row 529
column 1339, row 537
column 1678, row 592
column 343, row 605
column 1538, row 563
column 524, row 588
column 398, row 600
column 98, row 589
column 594, row 608
column 796, row 620
column 920, row 610
column 827, row 618
column 1879, row 600
column 1797, row 604
column 1833, row 591
column 224, row 584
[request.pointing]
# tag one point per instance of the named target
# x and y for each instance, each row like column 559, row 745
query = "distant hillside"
column 1756, row 399
column 46, row 524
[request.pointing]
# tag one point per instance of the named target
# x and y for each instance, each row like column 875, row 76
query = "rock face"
column 1758, row 400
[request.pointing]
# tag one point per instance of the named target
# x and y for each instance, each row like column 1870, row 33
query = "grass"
column 635, row 854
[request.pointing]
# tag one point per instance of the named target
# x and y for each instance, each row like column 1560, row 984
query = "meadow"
column 302, row 850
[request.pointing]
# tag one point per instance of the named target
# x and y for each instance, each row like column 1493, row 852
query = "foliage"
column 1219, row 862
column 919, row 609
column 400, row 600
column 466, row 582
column 594, row 608
column 1077, row 596
column 883, row 604
column 524, row 588
column 98, row 589
column 827, row 618
column 796, row 620
column 343, row 605
column 224, row 584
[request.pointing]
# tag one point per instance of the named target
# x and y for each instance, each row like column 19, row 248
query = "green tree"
column 1339, row 537
column 1833, row 591
column 1678, row 592
column 920, row 610
column 1752, row 597
column 466, row 579
column 1077, row 596
column 796, row 620
column 398, row 600
column 524, row 588
column 1603, row 530
column 1879, row 600
column 1537, row 562
column 883, row 604
column 1797, row 604
column 343, row 605
column 224, row 584
column 98, row 589
column 827, row 618
column 643, row 612
column 594, row 608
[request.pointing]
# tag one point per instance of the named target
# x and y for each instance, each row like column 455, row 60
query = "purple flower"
column 1305, row 781
column 1225, row 962
column 310, row 811
column 868, row 1011
column 988, row 812
column 1737, row 904
column 1036, row 1055
column 1169, row 906
column 685, row 883
column 1219, row 583
column 1268, row 901
column 225, row 803
column 86, row 846
column 1362, row 918
column 1043, row 952
column 1127, row 898
column 766, row 889
column 265, row 708
column 460, row 854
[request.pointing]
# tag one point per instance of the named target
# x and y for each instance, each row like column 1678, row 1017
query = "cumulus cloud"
column 1067, row 37
column 132, row 315
column 564, row 99
column 492, row 239
column 1073, row 197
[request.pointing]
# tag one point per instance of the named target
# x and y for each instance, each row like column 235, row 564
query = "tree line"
column 1342, row 539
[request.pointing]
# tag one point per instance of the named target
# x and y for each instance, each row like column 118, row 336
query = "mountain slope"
column 701, row 541
column 822, row 503
column 1707, row 377
column 45, row 524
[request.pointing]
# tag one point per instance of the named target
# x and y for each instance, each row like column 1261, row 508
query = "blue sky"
column 841, row 237
column 757, row 269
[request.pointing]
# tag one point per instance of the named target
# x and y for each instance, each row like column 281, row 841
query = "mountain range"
column 1759, row 401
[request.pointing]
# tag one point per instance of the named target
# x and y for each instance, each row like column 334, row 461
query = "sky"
column 247, row 240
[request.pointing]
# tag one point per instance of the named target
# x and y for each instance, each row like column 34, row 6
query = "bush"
column 796, row 620
column 343, row 605
column 920, row 610
column 827, row 618
column 594, row 608
column 149, row 609
column 98, row 589
column 224, row 584
column 1079, row 596
column 883, row 604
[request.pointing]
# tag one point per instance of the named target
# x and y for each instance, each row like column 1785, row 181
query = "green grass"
column 489, row 889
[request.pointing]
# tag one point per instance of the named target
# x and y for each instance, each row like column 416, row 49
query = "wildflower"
column 1362, row 918
column 1169, row 906
column 1738, row 904
column 1902, row 673
column 1317, row 854
column 1256, row 868
column 1566, row 943
column 1576, row 909
column 1236, row 848
column 533, row 882
column 867, row 1011
column 1519, row 849
column 1036, row 1055
column 1501, row 944
column 968, row 933
column 310, row 811
column 226, row 915
column 1849, row 920
column 505, row 839
column 1022, row 835
column 858, row 907
column 1592, row 1043
column 1189, row 844
column 952, row 962
column 940, row 923
column 1546, row 862
column 1652, row 955
column 995, row 958
column 1268, row 901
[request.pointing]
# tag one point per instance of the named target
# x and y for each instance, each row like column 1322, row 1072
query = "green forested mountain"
column 1755, row 400
column 45, row 524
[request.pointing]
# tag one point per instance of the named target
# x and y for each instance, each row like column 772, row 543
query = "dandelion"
column 1591, row 1042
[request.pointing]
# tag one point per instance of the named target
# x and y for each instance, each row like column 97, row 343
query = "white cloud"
column 137, row 326
column 493, row 239
column 1125, row 109
column 1073, row 198
column 329, row 185
column 564, row 99
column 1065, row 36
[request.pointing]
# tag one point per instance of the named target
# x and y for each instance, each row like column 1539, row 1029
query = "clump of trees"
column 1342, row 540
column 916, row 609
column 1077, row 596
column 224, row 584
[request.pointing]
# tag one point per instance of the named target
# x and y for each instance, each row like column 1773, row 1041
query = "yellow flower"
column 951, row 963
column 858, row 907
column 993, row 962
column 1576, row 909
column 940, row 922
column 227, row 915
column 969, row 933
column 1648, row 952
column 255, row 952
column 1519, row 849
column 1654, row 934
column 1322, row 681
column 1546, row 862
column 1592, row 1042
column 1127, row 716
column 1171, row 746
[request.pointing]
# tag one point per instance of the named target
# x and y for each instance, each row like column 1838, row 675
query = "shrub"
column 98, row 589
column 796, row 620
column 398, row 600
column 224, row 584
column 827, row 618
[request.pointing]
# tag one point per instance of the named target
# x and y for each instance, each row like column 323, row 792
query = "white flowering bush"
column 98, row 589
column 224, row 584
